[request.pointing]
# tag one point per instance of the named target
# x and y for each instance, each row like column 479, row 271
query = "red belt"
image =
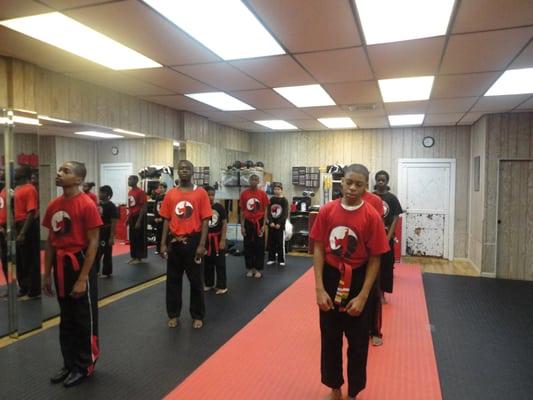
column 61, row 254
column 213, row 237
column 255, row 220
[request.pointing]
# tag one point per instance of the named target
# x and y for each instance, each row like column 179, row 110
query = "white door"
column 116, row 176
column 426, row 189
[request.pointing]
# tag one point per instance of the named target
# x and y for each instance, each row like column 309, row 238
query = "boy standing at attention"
column 278, row 211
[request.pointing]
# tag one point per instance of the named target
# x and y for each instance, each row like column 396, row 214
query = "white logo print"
column 213, row 222
column 276, row 210
column 385, row 208
column 131, row 201
column 342, row 241
column 61, row 222
column 253, row 204
column 184, row 209
column 1, row 202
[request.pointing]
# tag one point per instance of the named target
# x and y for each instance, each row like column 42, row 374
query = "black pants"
column 333, row 324
column 3, row 255
column 276, row 244
column 78, row 327
column 137, row 238
column 375, row 309
column 215, row 263
column 28, row 259
column 180, row 260
column 158, row 227
column 387, row 269
column 254, row 246
column 105, row 254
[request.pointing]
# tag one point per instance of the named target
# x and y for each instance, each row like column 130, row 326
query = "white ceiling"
column 324, row 45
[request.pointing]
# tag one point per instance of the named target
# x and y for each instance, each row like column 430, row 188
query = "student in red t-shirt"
column 73, row 223
column 187, row 211
column 26, row 205
column 136, row 221
column 3, row 238
column 215, row 259
column 87, row 187
column 349, row 239
column 253, row 204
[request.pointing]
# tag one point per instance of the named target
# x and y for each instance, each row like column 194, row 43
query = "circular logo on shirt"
column 253, row 205
column 61, row 223
column 276, row 210
column 342, row 241
column 2, row 202
column 131, row 201
column 385, row 208
column 184, row 209
column 213, row 222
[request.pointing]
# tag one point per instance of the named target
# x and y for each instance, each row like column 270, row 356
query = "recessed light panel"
column 513, row 81
column 337, row 123
column 61, row 121
column 103, row 135
column 406, row 119
column 406, row 89
column 306, row 95
column 276, row 124
column 220, row 100
column 118, row 130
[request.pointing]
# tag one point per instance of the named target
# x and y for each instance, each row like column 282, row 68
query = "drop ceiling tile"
column 442, row 119
column 179, row 102
column 408, row 58
column 16, row 8
column 377, row 111
column 337, row 65
column 463, row 85
column 223, row 116
column 120, row 82
column 309, row 25
column 288, row 113
column 253, row 115
column 454, row 105
column 407, row 107
column 372, row 122
column 262, row 98
column 145, row 31
column 362, row 92
column 470, row 118
column 275, row 71
column 482, row 15
column 170, row 79
column 525, row 59
column 308, row 124
column 484, row 51
column 324, row 112
column 220, row 75
column 499, row 103
column 249, row 127
column 63, row 4
column 528, row 105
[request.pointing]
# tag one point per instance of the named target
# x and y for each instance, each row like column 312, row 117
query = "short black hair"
column 384, row 173
column 209, row 188
column 78, row 168
column 135, row 178
column 358, row 169
column 254, row 176
column 106, row 189
column 187, row 162
column 277, row 184
column 90, row 184
column 164, row 184
column 24, row 171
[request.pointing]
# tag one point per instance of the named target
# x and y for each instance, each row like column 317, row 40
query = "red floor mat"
column 276, row 356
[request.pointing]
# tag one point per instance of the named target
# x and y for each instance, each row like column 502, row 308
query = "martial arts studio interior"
column 266, row 199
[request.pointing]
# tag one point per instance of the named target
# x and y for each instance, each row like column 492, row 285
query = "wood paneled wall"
column 508, row 136
column 3, row 83
column 377, row 149
column 73, row 149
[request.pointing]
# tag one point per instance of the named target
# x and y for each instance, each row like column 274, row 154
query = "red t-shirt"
column 136, row 199
column 351, row 236
column 253, row 203
column 186, row 210
column 3, row 207
column 26, row 200
column 375, row 201
column 69, row 220
column 93, row 197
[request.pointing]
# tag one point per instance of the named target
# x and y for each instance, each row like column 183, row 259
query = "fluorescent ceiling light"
column 277, row 124
column 47, row 118
column 406, row 119
column 17, row 119
column 336, row 123
column 129, row 132
column 306, row 95
column 61, row 31
column 228, row 28
column 220, row 100
column 513, row 81
column 176, row 143
column 406, row 89
column 102, row 135
column 385, row 21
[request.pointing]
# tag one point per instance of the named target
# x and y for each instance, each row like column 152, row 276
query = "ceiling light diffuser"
column 513, row 81
column 17, row 119
column 277, row 124
column 176, row 143
column 406, row 89
column 386, row 21
column 47, row 118
column 306, row 95
column 118, row 130
column 66, row 33
column 406, row 119
column 103, row 135
column 337, row 123
column 226, row 27
column 220, row 100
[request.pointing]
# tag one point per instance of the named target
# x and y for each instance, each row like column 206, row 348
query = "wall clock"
column 428, row 141
column 114, row 150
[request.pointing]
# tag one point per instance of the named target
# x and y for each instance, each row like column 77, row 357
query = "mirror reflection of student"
column 3, row 237
column 28, row 259
column 136, row 221
column 158, row 220
column 109, row 213
column 73, row 223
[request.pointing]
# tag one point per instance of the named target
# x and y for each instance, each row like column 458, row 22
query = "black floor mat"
column 141, row 357
column 483, row 336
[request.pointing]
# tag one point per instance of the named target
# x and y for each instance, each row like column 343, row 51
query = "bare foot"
column 136, row 261
column 335, row 394
column 131, row 261
column 197, row 323
column 173, row 322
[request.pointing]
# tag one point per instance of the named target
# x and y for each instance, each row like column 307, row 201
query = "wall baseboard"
column 488, row 275
column 469, row 261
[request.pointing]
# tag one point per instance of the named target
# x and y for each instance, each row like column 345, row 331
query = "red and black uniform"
column 137, row 237
column 3, row 237
column 28, row 257
column 68, row 221
column 278, row 211
column 350, row 235
column 216, row 258
column 158, row 225
column 108, row 212
column 253, row 204
column 185, row 212
column 93, row 197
